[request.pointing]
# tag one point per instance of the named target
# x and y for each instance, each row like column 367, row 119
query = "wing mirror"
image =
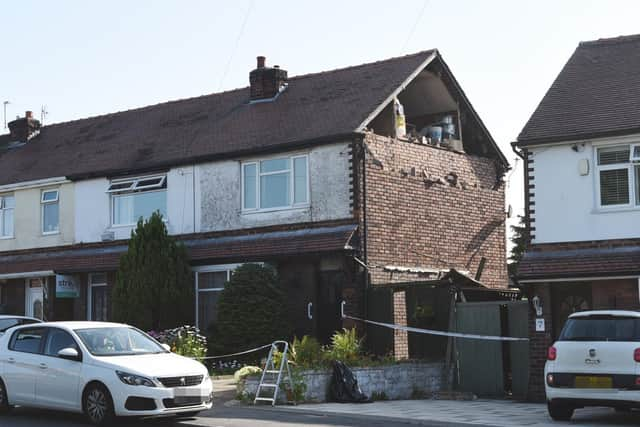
column 166, row 347
column 69, row 353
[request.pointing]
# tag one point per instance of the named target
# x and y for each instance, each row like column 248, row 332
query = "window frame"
column 134, row 188
column 630, row 166
column 43, row 349
column 44, row 203
column 259, row 174
column 90, row 285
column 2, row 215
column 229, row 268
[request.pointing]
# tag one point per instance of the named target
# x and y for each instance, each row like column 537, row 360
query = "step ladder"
column 272, row 375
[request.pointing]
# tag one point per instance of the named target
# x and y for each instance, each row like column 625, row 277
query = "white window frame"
column 90, row 286
column 2, row 211
column 291, row 160
column 135, row 187
column 629, row 166
column 229, row 268
column 43, row 203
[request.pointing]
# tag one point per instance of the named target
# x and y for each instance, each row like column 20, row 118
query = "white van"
column 595, row 362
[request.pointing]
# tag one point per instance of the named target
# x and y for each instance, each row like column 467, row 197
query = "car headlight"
column 131, row 379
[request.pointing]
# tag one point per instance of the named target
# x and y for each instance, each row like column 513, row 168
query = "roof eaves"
column 575, row 137
column 285, row 146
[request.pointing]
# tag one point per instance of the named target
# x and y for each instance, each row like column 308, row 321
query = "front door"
column 34, row 298
column 329, row 299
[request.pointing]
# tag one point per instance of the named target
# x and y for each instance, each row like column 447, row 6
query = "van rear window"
column 601, row 328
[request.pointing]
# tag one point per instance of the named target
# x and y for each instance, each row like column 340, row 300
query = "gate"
column 493, row 368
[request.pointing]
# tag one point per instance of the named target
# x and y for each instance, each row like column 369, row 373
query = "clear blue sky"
column 83, row 58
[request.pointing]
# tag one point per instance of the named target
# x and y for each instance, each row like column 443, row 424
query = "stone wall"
column 401, row 381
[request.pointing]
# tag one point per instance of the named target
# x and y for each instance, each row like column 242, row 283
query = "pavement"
column 499, row 413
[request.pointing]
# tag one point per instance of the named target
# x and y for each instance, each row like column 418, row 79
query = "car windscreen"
column 118, row 341
column 601, row 328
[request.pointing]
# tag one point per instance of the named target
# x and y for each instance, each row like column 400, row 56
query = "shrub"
column 185, row 341
column 243, row 373
column 154, row 286
column 252, row 311
column 307, row 352
column 345, row 346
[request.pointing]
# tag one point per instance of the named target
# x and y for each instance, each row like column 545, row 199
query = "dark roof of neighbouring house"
column 240, row 246
column 315, row 108
column 576, row 263
column 597, row 94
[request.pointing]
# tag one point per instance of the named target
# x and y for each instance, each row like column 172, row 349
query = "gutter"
column 514, row 148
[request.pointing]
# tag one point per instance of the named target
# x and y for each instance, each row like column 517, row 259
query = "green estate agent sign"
column 67, row 286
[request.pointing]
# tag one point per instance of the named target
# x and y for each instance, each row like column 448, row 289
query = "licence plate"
column 594, row 382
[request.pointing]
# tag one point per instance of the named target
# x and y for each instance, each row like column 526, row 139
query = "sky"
column 81, row 59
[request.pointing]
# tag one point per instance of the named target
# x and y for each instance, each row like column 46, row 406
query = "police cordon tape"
column 223, row 356
column 432, row 332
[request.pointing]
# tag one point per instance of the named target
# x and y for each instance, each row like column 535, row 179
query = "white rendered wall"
column 220, row 192
column 566, row 203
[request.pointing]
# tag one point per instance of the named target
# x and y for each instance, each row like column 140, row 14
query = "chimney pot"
column 28, row 114
column 261, row 61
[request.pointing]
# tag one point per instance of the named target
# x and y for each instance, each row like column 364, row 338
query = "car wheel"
column 559, row 411
column 98, row 405
column 4, row 399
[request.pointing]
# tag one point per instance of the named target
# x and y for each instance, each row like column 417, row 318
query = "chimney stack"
column 24, row 128
column 266, row 82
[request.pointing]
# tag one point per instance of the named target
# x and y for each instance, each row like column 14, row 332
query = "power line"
column 235, row 46
column 415, row 25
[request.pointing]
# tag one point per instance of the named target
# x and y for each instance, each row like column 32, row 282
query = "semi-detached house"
column 582, row 151
column 314, row 174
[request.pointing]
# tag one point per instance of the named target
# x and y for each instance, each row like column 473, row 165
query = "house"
column 582, row 154
column 326, row 176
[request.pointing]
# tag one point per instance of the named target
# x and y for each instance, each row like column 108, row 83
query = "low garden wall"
column 387, row 382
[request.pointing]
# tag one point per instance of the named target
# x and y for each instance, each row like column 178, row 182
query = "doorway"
column 329, row 303
column 34, row 298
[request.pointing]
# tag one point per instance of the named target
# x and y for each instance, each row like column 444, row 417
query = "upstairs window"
column 618, row 176
column 135, row 198
column 277, row 183
column 7, row 207
column 50, row 211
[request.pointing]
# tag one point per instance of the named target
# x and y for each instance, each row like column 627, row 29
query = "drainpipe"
column 365, row 228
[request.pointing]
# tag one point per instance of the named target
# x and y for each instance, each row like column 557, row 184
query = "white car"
column 595, row 362
column 100, row 369
column 9, row 321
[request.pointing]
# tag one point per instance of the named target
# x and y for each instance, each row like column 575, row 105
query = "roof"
column 315, row 108
column 618, row 313
column 576, row 263
column 250, row 246
column 596, row 94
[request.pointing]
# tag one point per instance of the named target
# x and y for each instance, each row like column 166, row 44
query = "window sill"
column 7, row 237
column 287, row 208
column 616, row 210
column 50, row 233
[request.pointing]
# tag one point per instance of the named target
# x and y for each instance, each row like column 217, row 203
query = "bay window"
column 7, row 207
column 135, row 198
column 277, row 183
column 618, row 176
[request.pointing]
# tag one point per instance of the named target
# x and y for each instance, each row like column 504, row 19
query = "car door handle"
column 43, row 366
column 11, row 360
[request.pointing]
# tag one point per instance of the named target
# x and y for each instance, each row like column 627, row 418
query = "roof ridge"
column 611, row 40
column 172, row 101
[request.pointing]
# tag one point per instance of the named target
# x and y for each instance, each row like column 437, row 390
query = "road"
column 223, row 414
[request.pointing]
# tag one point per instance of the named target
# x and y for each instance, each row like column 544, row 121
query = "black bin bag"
column 344, row 386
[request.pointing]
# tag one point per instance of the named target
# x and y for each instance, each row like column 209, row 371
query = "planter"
column 393, row 382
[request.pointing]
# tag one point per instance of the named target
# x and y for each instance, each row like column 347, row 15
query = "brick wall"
column 615, row 294
column 432, row 208
column 400, row 338
column 539, row 342
column 599, row 244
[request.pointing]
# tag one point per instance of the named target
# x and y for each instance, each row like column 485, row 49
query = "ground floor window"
column 210, row 281
column 97, row 297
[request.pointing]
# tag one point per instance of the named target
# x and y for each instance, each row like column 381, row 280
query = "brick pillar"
column 539, row 343
column 400, row 338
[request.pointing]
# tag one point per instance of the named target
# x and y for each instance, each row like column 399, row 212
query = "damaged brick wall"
column 432, row 208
